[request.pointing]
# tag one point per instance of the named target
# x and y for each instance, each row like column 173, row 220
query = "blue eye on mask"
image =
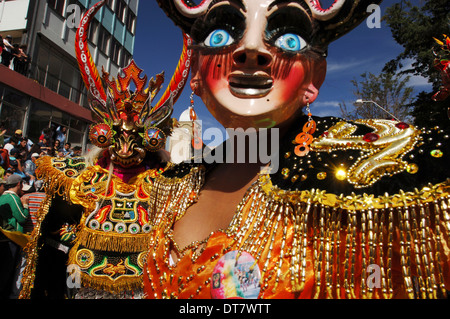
column 218, row 38
column 290, row 42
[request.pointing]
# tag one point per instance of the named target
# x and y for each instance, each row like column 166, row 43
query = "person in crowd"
column 17, row 135
column 35, row 148
column 14, row 214
column 7, row 53
column 77, row 150
column 30, row 168
column 68, row 149
column 17, row 165
column 56, row 146
column 2, row 186
column 46, row 145
column 12, row 143
column 8, row 173
column 3, row 131
column 60, row 134
column 21, row 59
column 23, row 147
column 1, row 47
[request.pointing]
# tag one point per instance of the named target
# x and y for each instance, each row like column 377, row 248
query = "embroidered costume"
column 359, row 211
column 95, row 216
column 371, row 196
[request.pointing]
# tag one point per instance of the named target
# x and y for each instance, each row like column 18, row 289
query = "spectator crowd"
column 14, row 56
column 21, row 195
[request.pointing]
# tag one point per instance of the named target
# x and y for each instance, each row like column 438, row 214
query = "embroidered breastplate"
column 114, row 229
column 112, row 237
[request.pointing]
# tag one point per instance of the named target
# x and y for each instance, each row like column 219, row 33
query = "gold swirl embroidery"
column 379, row 158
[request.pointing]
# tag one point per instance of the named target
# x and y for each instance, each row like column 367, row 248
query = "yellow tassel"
column 113, row 242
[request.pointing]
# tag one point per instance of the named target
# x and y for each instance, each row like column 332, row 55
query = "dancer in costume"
column 356, row 209
column 95, row 217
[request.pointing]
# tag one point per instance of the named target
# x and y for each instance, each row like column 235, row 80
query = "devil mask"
column 129, row 127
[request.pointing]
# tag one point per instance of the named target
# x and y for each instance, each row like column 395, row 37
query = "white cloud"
column 327, row 104
column 344, row 66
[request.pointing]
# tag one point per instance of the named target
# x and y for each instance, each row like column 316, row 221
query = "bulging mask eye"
column 101, row 135
column 153, row 139
column 218, row 38
column 290, row 42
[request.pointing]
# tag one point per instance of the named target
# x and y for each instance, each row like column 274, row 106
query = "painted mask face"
column 254, row 65
column 131, row 128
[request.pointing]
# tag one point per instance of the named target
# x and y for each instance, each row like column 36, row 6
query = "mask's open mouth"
column 250, row 85
column 126, row 152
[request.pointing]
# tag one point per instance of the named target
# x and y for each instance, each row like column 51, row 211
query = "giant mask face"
column 252, row 70
column 259, row 61
column 129, row 126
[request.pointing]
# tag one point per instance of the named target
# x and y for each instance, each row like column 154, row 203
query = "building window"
column 110, row 4
column 93, row 31
column 121, row 9
column 103, row 39
column 13, row 110
column 125, row 58
column 115, row 51
column 131, row 21
column 57, row 5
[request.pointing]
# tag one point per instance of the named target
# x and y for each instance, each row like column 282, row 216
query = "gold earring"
column 197, row 142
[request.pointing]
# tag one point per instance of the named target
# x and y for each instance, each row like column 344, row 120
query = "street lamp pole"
column 361, row 101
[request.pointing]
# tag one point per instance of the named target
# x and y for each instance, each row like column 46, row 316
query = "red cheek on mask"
column 289, row 73
column 215, row 69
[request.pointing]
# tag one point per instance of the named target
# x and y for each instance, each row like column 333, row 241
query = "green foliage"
column 429, row 113
column 414, row 27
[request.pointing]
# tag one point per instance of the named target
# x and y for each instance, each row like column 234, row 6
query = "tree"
column 415, row 28
column 388, row 90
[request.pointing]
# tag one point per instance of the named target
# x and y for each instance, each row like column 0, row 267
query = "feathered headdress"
column 118, row 106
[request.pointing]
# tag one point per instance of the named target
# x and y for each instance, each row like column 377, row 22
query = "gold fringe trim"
column 32, row 250
column 354, row 242
column 365, row 231
column 113, row 286
column 113, row 242
column 55, row 181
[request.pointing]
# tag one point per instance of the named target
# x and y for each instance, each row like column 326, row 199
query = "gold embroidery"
column 381, row 157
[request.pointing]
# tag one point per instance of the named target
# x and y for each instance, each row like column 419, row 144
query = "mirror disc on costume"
column 101, row 135
column 154, row 139
column 236, row 276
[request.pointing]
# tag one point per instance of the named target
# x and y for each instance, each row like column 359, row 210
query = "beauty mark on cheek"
column 215, row 66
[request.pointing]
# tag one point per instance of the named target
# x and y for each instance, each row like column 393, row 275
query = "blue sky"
column 159, row 42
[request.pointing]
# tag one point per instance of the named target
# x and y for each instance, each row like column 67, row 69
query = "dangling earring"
column 197, row 142
column 305, row 138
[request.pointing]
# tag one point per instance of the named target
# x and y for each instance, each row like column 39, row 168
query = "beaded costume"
column 366, row 197
column 97, row 214
column 364, row 214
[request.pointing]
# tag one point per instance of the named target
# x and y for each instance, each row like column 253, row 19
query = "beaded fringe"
column 32, row 250
column 112, row 242
column 128, row 284
column 362, row 246
column 352, row 248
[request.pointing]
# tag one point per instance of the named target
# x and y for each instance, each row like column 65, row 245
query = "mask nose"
column 258, row 58
column 252, row 52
